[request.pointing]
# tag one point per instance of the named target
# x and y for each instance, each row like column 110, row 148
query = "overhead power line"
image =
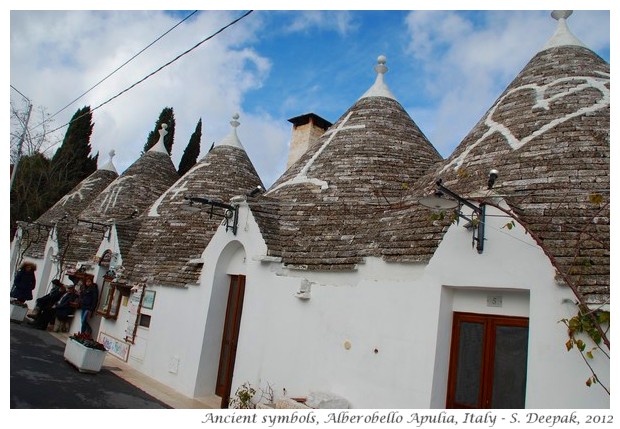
column 119, row 67
column 162, row 67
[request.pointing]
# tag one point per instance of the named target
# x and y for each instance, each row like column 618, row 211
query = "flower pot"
column 85, row 359
column 18, row 313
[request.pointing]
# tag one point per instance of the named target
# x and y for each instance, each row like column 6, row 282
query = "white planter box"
column 84, row 358
column 18, row 313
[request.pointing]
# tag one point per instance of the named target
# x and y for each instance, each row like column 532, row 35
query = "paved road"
column 42, row 379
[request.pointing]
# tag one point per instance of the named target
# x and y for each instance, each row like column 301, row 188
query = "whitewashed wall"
column 379, row 336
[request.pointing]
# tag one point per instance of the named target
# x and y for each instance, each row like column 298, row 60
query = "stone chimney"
column 307, row 129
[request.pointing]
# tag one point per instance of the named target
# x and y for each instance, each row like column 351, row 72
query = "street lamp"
column 231, row 212
column 437, row 201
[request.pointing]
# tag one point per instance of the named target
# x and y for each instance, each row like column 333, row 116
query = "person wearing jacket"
column 45, row 314
column 88, row 304
column 24, row 283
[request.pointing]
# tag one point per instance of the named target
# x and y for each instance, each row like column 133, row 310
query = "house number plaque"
column 494, row 300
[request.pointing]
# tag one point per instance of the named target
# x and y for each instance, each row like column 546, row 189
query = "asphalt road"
column 42, row 379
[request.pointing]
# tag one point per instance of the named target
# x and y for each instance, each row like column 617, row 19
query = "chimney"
column 306, row 130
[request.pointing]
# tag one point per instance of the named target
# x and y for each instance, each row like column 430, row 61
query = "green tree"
column 72, row 162
column 192, row 151
column 40, row 182
column 165, row 117
column 30, row 193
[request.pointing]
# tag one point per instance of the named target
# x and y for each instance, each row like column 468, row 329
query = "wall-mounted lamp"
column 437, row 201
column 104, row 228
column 254, row 192
column 493, row 175
column 230, row 214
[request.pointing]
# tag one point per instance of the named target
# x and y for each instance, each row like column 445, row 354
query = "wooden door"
column 488, row 361
column 230, row 337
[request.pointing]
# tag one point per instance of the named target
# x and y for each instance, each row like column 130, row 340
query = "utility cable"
column 158, row 70
column 118, row 68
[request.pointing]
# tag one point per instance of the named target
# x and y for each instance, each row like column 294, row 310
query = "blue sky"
column 446, row 68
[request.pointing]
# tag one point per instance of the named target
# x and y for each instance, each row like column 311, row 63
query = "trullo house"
column 373, row 272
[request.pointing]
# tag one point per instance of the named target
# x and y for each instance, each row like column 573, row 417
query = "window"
column 110, row 299
column 145, row 320
column 488, row 361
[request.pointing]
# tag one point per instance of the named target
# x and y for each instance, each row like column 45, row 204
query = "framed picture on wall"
column 149, row 299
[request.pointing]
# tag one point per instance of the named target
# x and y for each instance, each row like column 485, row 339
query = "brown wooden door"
column 230, row 338
column 488, row 361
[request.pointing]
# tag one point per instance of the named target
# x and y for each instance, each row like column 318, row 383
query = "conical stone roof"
column 363, row 163
column 64, row 213
column 548, row 136
column 121, row 201
column 171, row 239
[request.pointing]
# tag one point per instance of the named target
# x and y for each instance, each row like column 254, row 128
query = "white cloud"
column 470, row 57
column 339, row 21
column 56, row 56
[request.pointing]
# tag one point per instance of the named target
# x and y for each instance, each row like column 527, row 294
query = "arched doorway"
column 223, row 324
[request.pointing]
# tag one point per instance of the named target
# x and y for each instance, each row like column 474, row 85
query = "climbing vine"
column 588, row 323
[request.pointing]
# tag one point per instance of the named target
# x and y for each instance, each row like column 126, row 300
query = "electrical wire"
column 117, row 69
column 157, row 70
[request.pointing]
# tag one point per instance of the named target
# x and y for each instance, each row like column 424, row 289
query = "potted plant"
column 86, row 354
column 18, row 311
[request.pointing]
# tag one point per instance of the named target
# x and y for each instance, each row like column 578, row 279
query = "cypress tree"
column 72, row 162
column 165, row 117
column 192, row 151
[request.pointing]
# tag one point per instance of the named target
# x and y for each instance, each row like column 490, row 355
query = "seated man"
column 45, row 313
column 65, row 308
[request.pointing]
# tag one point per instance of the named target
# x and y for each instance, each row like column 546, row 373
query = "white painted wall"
column 378, row 336
column 404, row 311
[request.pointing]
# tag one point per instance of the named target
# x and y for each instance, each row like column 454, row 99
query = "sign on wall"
column 114, row 346
column 135, row 302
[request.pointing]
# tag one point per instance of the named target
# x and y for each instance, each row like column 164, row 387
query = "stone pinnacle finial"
column 561, row 14
column 162, row 131
column 379, row 88
column 235, row 123
column 232, row 139
column 160, row 146
column 110, row 165
column 562, row 35
column 381, row 68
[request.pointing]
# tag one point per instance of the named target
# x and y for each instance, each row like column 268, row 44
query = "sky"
column 445, row 67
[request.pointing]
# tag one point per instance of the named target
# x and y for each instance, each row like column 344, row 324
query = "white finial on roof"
column 232, row 139
column 110, row 165
column 562, row 35
column 379, row 88
column 159, row 146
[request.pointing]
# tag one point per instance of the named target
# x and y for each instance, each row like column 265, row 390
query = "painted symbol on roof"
column 178, row 188
column 110, row 195
column 86, row 186
column 302, row 176
column 544, row 98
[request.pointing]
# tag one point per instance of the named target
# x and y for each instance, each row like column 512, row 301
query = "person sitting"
column 45, row 313
column 65, row 308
